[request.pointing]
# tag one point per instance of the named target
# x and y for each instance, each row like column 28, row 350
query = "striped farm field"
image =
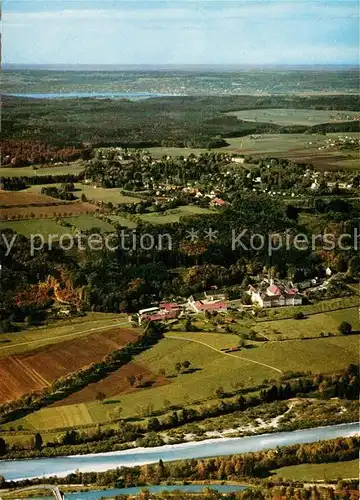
column 35, row 370
column 43, row 211
column 72, row 328
column 32, row 205
column 19, row 199
column 60, row 417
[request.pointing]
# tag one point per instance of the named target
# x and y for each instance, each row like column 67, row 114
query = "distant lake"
column 133, row 96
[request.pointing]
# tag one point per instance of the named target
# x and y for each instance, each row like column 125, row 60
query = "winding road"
column 225, row 353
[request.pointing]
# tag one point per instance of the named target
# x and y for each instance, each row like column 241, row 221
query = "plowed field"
column 36, row 369
column 115, row 384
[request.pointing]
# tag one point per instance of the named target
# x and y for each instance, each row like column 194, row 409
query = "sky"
column 180, row 32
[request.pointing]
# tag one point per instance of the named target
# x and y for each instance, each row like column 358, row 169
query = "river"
column 61, row 466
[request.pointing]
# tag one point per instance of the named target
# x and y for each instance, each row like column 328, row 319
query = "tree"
column 299, row 315
column 188, row 325
column 242, row 343
column 131, row 380
column 100, row 396
column 220, row 393
column 292, row 212
column 186, row 364
column 246, row 299
column 3, row 447
column 161, row 470
column 38, row 441
column 207, row 314
column 153, row 424
column 5, row 326
column 345, row 328
column 70, row 437
column 178, row 367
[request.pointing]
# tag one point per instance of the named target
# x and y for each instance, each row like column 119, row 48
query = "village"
column 268, row 293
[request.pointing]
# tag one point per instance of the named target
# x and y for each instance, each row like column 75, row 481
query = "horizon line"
column 96, row 66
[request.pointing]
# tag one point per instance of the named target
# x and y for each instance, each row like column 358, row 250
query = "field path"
column 77, row 334
column 224, row 353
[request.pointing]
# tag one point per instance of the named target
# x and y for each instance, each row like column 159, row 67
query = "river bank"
column 278, row 416
column 62, row 466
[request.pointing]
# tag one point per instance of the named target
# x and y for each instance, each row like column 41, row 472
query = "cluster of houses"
column 268, row 293
column 271, row 294
column 172, row 310
column 213, row 197
column 215, row 201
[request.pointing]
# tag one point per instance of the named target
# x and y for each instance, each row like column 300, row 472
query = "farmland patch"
column 24, row 373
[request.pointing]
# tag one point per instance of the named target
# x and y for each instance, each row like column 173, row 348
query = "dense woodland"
column 113, row 281
column 171, row 121
column 19, row 153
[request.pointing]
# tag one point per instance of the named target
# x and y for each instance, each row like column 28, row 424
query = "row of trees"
column 21, row 182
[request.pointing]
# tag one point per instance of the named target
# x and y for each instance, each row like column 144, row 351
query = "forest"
column 171, row 121
column 113, row 281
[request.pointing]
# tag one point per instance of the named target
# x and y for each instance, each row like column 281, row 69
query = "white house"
column 236, row 159
column 275, row 295
column 198, row 306
column 149, row 310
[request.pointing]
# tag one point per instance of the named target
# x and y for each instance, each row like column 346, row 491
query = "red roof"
column 172, row 314
column 270, row 298
column 160, row 317
column 274, row 290
column 169, row 306
column 155, row 317
column 218, row 201
column 210, row 306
